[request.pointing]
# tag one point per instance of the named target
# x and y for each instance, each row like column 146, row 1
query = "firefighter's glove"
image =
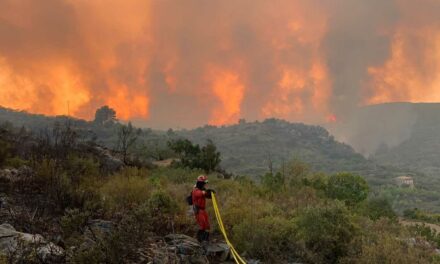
column 209, row 193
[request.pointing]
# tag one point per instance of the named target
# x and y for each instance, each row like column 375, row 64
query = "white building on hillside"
column 404, row 181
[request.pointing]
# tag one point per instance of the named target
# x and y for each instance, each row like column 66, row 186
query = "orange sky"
column 188, row 63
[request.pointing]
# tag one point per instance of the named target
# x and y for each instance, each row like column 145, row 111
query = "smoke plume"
column 186, row 63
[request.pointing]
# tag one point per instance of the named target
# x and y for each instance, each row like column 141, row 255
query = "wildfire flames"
column 191, row 62
column 412, row 71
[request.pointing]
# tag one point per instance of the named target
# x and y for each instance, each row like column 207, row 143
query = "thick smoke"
column 187, row 63
column 357, row 39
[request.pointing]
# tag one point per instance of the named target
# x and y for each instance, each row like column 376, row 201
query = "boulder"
column 109, row 162
column 185, row 249
column 183, row 244
column 50, row 253
column 8, row 175
column 96, row 230
column 15, row 175
column 177, row 248
column 3, row 200
column 21, row 244
column 218, row 251
column 99, row 226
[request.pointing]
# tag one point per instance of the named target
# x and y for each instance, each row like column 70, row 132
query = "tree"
column 105, row 115
column 186, row 151
column 157, row 149
column 269, row 162
column 65, row 138
column 296, row 171
column 347, row 187
column 273, row 181
column 5, row 151
column 127, row 136
column 193, row 156
column 210, row 157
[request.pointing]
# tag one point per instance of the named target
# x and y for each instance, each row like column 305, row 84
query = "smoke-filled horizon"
column 188, row 63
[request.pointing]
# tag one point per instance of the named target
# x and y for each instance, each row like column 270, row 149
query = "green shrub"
column 269, row 238
column 418, row 214
column 5, row 151
column 296, row 171
column 161, row 202
column 175, row 175
column 3, row 259
column 46, row 170
column 377, row 207
column 73, row 222
column 57, row 185
column 122, row 192
column 239, row 201
column 80, row 167
column 317, row 181
column 273, row 182
column 324, row 233
column 193, row 156
column 387, row 248
column 347, row 187
column 121, row 245
column 16, row 162
column 162, row 208
column 427, row 232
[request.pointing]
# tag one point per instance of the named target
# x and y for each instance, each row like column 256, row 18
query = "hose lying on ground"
column 237, row 258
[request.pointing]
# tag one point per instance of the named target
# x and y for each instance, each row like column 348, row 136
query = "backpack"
column 189, row 199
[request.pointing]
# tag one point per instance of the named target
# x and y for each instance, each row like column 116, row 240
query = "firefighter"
column 199, row 195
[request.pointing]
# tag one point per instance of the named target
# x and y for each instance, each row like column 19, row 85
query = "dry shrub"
column 385, row 241
column 125, row 190
column 268, row 238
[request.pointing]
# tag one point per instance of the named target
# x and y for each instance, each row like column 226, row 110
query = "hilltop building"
column 404, row 181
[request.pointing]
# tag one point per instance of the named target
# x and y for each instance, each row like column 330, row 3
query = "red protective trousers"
column 199, row 202
column 202, row 220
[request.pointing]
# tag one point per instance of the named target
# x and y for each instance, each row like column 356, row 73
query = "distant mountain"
column 403, row 135
column 419, row 151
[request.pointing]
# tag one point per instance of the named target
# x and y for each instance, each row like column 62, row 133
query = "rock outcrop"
column 109, row 162
column 15, row 175
column 22, row 246
column 178, row 248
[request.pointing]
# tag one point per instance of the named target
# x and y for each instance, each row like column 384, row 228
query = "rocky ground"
column 18, row 212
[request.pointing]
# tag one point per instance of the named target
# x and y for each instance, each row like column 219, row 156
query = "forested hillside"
column 248, row 148
column 256, row 148
column 252, row 148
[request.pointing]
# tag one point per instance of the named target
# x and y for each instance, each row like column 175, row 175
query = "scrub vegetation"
column 289, row 214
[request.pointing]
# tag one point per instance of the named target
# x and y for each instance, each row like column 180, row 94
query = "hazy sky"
column 188, row 63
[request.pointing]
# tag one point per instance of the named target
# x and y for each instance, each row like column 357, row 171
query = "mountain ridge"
column 247, row 147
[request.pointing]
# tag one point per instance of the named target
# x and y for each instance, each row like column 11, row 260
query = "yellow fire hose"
column 234, row 253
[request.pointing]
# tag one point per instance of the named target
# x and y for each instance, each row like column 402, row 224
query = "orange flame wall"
column 60, row 56
column 185, row 63
column 412, row 70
